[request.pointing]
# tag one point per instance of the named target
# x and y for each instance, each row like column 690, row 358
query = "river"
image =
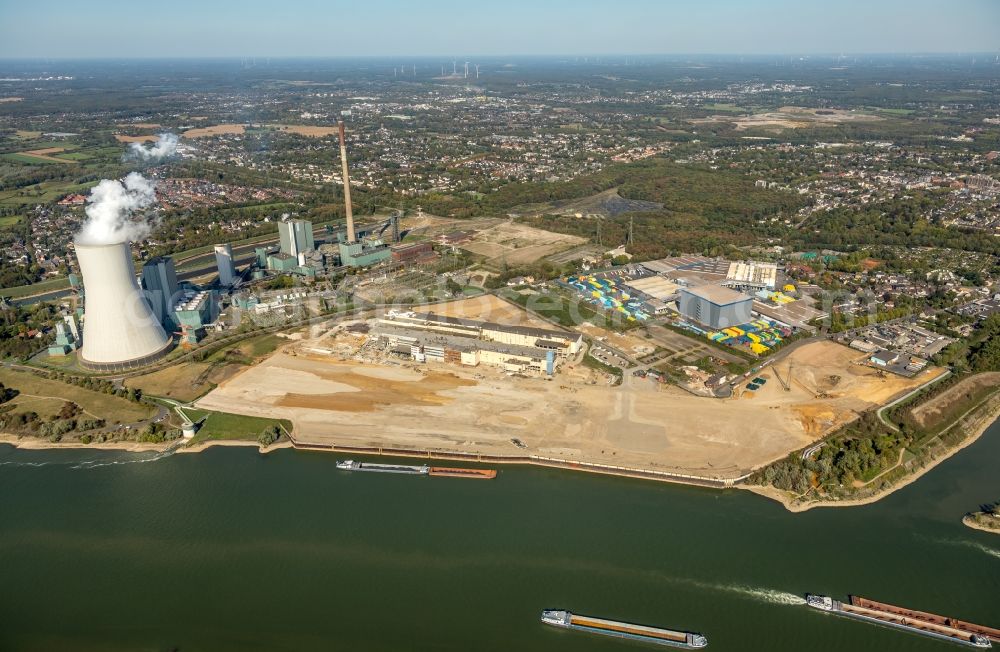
column 232, row 550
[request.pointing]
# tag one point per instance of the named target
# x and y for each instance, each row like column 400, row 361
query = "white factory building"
column 430, row 337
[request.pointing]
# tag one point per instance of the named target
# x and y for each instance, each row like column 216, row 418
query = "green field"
column 723, row 106
column 9, row 220
column 29, row 159
column 35, row 288
column 113, row 409
column 226, row 426
column 41, row 193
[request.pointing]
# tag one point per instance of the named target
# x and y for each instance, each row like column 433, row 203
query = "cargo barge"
column 898, row 621
column 454, row 472
column 991, row 633
column 685, row 640
column 351, row 465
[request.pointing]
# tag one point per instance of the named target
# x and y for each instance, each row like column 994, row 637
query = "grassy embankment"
column 224, row 426
column 46, row 397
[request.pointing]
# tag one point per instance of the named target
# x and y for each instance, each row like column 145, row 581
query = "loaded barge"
column 685, row 640
column 991, row 633
column 351, row 465
column 900, row 619
column 452, row 472
column 444, row 471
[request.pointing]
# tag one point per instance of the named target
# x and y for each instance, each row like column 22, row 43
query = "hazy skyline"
column 114, row 28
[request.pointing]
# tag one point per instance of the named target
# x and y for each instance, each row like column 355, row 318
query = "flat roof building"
column 715, row 306
column 752, row 276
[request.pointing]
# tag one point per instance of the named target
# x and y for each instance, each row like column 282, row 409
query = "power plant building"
column 193, row 311
column 120, row 330
column 224, row 261
column 159, row 279
column 296, row 237
column 715, row 306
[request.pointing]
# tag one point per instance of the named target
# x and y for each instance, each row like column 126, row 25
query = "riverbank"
column 795, row 503
column 28, row 443
column 791, row 502
column 969, row 521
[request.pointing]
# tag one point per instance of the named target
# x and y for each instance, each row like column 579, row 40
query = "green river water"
column 233, row 550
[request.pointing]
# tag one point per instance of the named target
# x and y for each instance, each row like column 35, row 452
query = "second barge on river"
column 909, row 623
column 685, row 640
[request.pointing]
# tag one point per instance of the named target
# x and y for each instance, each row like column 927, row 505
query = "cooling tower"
column 120, row 331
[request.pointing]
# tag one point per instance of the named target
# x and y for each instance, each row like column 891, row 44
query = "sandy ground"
column 135, row 139
column 967, row 522
column 488, row 307
column 932, row 410
column 791, row 117
column 216, row 130
column 630, row 344
column 518, row 244
column 46, row 154
column 575, row 416
column 29, row 443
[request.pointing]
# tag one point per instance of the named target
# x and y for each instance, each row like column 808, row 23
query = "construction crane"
column 787, row 384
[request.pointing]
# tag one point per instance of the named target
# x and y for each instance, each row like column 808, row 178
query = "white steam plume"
column 109, row 211
column 164, row 147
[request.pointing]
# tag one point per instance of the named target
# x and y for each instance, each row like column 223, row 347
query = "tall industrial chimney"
column 120, row 331
column 351, row 237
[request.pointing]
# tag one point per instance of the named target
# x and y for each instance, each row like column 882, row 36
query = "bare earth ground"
column 488, row 307
column 135, row 139
column 630, row 344
column 216, row 130
column 576, row 416
column 517, row 244
column 46, row 154
column 183, row 382
column 790, row 117
column 932, row 410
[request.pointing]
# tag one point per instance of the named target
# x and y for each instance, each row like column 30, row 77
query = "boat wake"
column 96, row 464
column 975, row 545
column 93, row 464
column 26, row 464
column 992, row 552
column 770, row 596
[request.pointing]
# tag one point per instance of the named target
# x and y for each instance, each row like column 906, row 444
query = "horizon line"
column 501, row 55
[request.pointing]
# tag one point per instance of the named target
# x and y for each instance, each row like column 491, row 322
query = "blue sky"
column 115, row 28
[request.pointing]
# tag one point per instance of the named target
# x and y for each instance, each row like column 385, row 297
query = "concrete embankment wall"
column 536, row 460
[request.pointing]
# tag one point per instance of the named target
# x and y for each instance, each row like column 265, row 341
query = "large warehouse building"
column 426, row 336
column 715, row 306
